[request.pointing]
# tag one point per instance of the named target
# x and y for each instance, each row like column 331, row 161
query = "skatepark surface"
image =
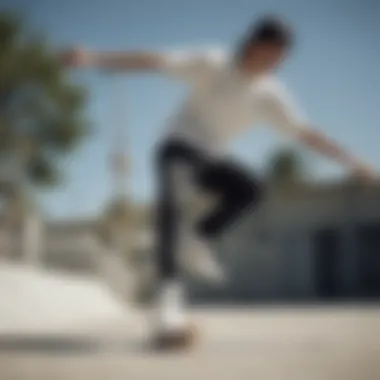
column 35, row 300
column 51, row 328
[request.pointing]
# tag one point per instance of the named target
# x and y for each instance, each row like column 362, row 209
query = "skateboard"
column 177, row 340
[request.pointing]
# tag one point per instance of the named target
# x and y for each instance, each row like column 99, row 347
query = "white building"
column 308, row 243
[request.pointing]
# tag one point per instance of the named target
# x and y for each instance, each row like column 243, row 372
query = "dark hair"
column 271, row 30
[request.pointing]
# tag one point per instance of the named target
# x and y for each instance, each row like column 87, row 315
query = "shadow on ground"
column 67, row 344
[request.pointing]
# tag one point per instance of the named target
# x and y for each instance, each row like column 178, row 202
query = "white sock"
column 170, row 306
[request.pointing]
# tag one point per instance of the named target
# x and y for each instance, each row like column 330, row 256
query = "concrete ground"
column 279, row 343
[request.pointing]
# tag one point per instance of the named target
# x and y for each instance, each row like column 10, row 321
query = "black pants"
column 236, row 188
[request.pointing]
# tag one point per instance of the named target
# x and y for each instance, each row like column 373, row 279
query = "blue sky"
column 333, row 73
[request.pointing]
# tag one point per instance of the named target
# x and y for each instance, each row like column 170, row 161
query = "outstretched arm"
column 190, row 66
column 286, row 118
column 125, row 61
column 324, row 145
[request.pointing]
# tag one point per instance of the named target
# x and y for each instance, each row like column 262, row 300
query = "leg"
column 170, row 159
column 173, row 331
column 167, row 231
column 196, row 255
column 239, row 193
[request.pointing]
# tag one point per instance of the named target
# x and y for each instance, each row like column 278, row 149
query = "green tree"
column 286, row 168
column 41, row 110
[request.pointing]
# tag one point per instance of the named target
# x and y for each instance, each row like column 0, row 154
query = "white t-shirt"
column 222, row 103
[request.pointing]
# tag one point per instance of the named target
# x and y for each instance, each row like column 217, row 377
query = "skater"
column 228, row 93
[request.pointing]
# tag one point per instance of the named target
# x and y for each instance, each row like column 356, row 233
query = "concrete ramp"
column 33, row 300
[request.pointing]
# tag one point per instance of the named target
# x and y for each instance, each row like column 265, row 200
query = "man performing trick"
column 228, row 94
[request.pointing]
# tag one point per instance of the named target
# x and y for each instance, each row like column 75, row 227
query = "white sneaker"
column 198, row 259
column 170, row 315
column 171, row 329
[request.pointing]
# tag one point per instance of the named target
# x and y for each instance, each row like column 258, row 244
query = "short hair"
column 269, row 29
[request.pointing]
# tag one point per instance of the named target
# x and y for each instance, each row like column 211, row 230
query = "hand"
column 364, row 174
column 77, row 57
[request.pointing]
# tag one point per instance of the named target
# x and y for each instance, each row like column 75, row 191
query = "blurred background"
column 77, row 188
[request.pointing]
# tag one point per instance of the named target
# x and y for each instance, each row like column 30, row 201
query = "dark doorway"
column 368, row 259
column 326, row 245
